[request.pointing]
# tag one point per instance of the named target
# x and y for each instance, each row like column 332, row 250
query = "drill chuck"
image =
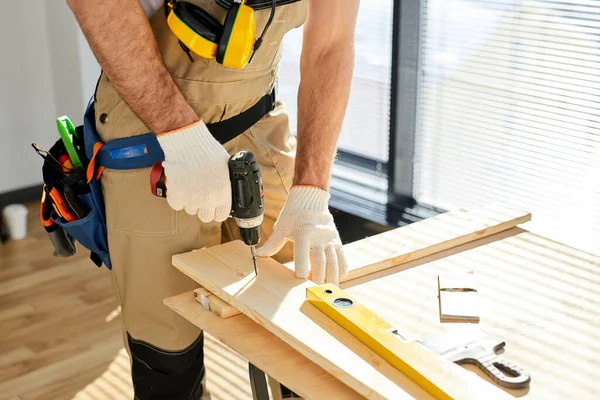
column 250, row 236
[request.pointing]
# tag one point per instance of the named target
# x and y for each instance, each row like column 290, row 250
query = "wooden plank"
column 214, row 304
column 276, row 300
column 251, row 340
column 418, row 240
column 430, row 236
column 430, row 258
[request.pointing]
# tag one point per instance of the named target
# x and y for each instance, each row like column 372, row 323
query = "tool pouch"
column 72, row 203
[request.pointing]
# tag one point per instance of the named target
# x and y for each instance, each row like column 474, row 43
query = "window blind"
column 365, row 131
column 508, row 111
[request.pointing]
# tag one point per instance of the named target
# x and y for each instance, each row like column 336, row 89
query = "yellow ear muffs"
column 239, row 35
column 196, row 29
column 233, row 44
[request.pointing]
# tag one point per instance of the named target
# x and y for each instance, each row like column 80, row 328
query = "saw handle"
column 495, row 366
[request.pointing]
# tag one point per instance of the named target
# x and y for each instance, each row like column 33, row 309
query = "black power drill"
column 247, row 202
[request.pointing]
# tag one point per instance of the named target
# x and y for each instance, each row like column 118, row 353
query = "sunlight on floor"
column 227, row 376
column 114, row 383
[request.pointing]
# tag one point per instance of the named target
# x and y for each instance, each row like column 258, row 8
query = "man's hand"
column 197, row 173
column 195, row 164
column 326, row 67
column 306, row 221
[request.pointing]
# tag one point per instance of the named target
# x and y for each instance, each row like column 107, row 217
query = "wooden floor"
column 60, row 330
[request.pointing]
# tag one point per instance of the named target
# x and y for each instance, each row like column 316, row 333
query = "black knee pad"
column 165, row 374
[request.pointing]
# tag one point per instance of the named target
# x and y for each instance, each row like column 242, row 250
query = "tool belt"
column 72, row 205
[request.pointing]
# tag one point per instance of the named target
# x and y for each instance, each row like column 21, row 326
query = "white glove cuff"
column 187, row 143
column 308, row 198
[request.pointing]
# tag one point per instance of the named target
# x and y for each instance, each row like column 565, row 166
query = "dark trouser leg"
column 161, row 374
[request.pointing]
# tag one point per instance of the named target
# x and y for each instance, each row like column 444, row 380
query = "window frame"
column 406, row 37
column 401, row 207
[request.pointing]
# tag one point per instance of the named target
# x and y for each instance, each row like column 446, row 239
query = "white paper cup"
column 15, row 218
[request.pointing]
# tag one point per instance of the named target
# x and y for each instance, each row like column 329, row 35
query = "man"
column 148, row 84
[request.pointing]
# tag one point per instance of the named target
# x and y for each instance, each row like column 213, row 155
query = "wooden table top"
column 541, row 297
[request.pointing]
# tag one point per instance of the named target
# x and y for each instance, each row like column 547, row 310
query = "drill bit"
column 253, row 252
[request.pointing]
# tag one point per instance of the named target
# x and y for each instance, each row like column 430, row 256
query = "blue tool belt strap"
column 144, row 151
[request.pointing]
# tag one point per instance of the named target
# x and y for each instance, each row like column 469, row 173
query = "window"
column 366, row 127
column 363, row 144
column 491, row 102
column 508, row 102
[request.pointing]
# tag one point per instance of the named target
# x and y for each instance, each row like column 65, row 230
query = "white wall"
column 46, row 71
column 90, row 70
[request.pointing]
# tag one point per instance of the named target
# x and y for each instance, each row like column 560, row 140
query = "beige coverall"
column 144, row 232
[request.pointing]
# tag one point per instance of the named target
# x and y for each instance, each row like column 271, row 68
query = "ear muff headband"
column 199, row 20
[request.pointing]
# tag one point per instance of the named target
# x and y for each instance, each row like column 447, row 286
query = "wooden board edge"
column 311, row 372
column 429, row 250
column 432, row 257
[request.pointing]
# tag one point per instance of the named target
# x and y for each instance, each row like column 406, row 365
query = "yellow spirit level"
column 414, row 360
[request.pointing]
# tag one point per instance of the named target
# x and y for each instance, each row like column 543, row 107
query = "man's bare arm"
column 326, row 67
column 120, row 36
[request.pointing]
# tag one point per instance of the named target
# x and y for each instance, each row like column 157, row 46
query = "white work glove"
column 305, row 220
column 196, row 171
